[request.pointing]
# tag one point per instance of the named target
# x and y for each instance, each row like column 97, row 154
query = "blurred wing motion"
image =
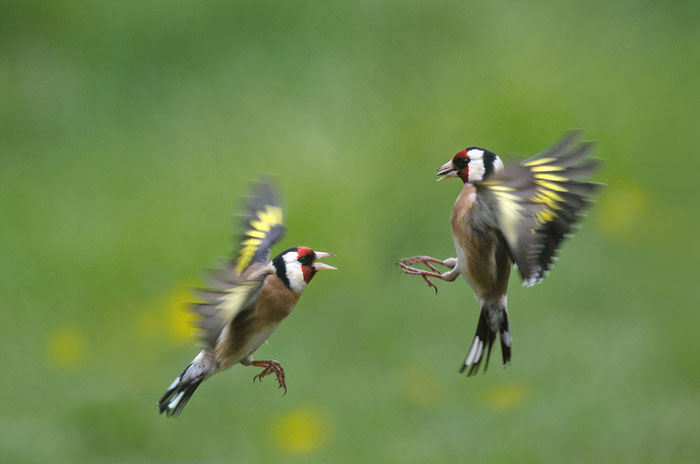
column 220, row 307
column 235, row 287
column 536, row 203
column 263, row 227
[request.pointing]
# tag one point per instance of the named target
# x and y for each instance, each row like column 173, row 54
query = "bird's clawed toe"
column 430, row 284
column 404, row 264
column 424, row 274
column 269, row 367
column 449, row 262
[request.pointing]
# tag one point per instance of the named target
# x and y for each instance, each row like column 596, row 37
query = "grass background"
column 130, row 129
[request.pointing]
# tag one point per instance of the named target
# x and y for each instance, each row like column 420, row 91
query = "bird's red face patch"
column 306, row 258
column 460, row 162
column 304, row 251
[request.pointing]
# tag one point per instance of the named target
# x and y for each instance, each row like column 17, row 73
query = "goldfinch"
column 247, row 301
column 503, row 215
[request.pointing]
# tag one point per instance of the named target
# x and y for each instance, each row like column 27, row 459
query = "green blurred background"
column 130, row 129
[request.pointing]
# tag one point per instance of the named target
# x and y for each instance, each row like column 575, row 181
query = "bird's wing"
column 235, row 287
column 263, row 226
column 535, row 204
column 231, row 296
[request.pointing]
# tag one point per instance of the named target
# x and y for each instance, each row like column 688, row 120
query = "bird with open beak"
column 503, row 215
column 248, row 300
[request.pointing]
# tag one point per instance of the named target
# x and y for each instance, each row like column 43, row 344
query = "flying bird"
column 517, row 214
column 249, row 297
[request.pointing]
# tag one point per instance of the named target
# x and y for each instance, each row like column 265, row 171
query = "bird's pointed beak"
column 322, row 266
column 446, row 170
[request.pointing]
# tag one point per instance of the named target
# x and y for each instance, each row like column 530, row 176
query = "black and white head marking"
column 288, row 269
column 296, row 267
column 482, row 163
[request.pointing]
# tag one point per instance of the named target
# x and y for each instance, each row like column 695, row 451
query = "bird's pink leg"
column 271, row 366
column 427, row 260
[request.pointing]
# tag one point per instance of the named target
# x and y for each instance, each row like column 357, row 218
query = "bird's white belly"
column 461, row 260
column 257, row 340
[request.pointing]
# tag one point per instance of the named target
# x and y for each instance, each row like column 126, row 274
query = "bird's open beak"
column 321, row 266
column 446, row 170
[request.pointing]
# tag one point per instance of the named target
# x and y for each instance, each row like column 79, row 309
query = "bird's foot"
column 424, row 274
column 427, row 260
column 404, row 263
column 269, row 367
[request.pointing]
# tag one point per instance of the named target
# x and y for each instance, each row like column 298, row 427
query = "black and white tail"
column 182, row 388
column 492, row 321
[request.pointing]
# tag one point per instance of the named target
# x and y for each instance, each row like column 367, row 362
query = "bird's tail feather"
column 492, row 321
column 504, row 331
column 174, row 400
column 183, row 387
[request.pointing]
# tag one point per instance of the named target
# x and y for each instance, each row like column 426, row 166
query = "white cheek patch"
column 497, row 164
column 476, row 170
column 475, row 154
column 476, row 165
column 294, row 272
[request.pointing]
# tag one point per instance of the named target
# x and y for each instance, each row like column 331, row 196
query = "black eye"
column 306, row 260
column 461, row 163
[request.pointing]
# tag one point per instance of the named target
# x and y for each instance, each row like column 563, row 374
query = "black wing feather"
column 536, row 204
column 263, row 226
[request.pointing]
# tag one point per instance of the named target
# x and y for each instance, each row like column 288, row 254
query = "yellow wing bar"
column 255, row 235
column 547, row 186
